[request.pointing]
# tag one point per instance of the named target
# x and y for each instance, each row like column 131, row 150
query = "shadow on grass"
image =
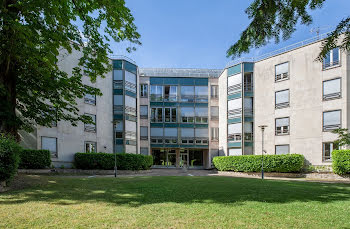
column 138, row 191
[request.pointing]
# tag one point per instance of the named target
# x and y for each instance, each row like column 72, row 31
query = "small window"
column 143, row 111
column 90, row 127
column 331, row 89
column 331, row 120
column 332, row 58
column 214, row 113
column 50, row 144
column 118, row 75
column 170, row 114
column 282, row 126
column 90, row 147
column 144, row 90
column 214, row 89
column 144, row 150
column 282, row 72
column 144, row 132
column 90, row 99
column 215, row 133
column 282, row 149
column 328, row 148
column 282, row 99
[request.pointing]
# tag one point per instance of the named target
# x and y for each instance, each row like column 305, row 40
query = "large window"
column 118, row 104
column 187, row 114
column 282, row 149
column 90, row 147
column 201, row 114
column 187, row 93
column 234, row 84
column 201, row 93
column 143, row 111
column 130, row 81
column 170, row 135
column 282, row 71
column 157, row 114
column 50, row 144
column 90, row 99
column 170, row 93
column 170, row 114
column 214, row 89
column 248, row 82
column 118, row 79
column 144, row 132
column 331, row 120
column 248, row 106
column 248, row 131
column 214, row 113
column 282, row 99
column 282, row 126
column 144, row 150
column 331, row 89
column 332, row 58
column 143, row 90
column 90, row 127
column 214, row 133
column 187, row 135
column 328, row 147
column 234, row 108
column 156, row 93
column 157, row 135
column 119, row 129
column 235, row 132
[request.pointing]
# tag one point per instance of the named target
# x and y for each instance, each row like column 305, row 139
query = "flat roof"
column 180, row 72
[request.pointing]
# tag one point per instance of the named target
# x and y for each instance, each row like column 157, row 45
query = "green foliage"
column 34, row 159
column 343, row 137
column 252, row 163
column 9, row 158
column 35, row 36
column 341, row 161
column 276, row 19
column 125, row 161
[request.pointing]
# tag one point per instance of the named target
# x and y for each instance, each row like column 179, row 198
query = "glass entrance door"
column 183, row 160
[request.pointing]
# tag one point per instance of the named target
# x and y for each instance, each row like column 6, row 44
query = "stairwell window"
column 282, row 126
column 332, row 58
column 282, row 99
column 214, row 133
column 331, row 120
column 332, row 89
column 282, row 72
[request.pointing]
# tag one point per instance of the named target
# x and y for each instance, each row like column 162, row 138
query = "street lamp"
column 262, row 127
column 114, row 150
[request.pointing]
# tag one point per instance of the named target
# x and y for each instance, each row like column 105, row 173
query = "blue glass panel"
column 156, row 104
column 248, row 119
column 234, row 144
column 248, row 67
column 201, row 81
column 186, row 125
column 248, row 94
column 248, row 143
column 234, row 70
column 156, row 80
column 119, row 148
column 170, row 125
column 130, row 67
column 234, row 120
column 201, row 125
column 234, row 96
column 118, row 117
column 129, row 93
column 119, row 141
column 117, row 64
column 118, row 91
column 171, row 81
column 186, row 104
column 186, row 81
column 170, row 104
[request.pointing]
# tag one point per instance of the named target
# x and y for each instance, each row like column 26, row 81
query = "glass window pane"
column 130, row 101
column 201, row 111
column 117, row 74
column 282, row 68
column 144, row 131
column 187, row 93
column 156, row 132
column 282, row 149
column 49, row 144
column 201, row 132
column 187, row 111
column 187, row 132
column 282, row 96
column 331, row 86
column 170, row 132
column 331, row 118
column 130, row 77
column 335, row 56
column 282, row 122
column 118, row 100
column 144, row 150
column 214, row 111
column 235, row 128
column 144, row 110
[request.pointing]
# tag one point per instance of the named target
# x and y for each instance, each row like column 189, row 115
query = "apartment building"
column 185, row 117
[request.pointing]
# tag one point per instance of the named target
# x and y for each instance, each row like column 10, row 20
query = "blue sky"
column 197, row 33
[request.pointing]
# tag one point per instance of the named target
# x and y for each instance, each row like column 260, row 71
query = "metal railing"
column 281, row 105
column 331, row 127
column 331, row 96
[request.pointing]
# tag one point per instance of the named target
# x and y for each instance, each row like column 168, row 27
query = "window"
column 157, row 114
column 282, row 99
column 328, row 147
column 187, row 93
column 187, row 135
column 143, row 111
column 170, row 93
column 201, row 114
column 234, row 84
column 144, row 90
column 118, row 101
column 90, row 147
column 214, row 89
column 118, row 128
column 201, row 93
column 143, row 132
column 90, row 127
column 156, row 93
column 282, row 149
column 130, row 81
column 281, row 71
column 331, row 89
column 144, row 150
column 170, row 135
column 282, row 126
column 248, row 131
column 50, row 144
column 214, row 113
column 235, row 132
column 234, row 108
column 331, row 120
column 187, row 114
column 156, row 135
column 215, row 133
column 117, row 74
column 248, row 82
column 332, row 58
column 90, row 99
column 248, row 107
column 170, row 114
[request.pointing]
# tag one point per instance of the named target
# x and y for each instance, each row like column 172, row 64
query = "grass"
column 175, row 202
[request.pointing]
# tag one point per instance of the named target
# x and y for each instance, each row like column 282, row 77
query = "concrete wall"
column 306, row 104
column 223, row 113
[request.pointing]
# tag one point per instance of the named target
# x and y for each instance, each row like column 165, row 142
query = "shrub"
column 125, row 161
column 252, row 163
column 341, row 161
column 9, row 158
column 34, row 159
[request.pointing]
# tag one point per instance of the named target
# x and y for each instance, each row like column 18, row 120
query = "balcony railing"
column 332, row 96
column 282, row 130
column 330, row 64
column 130, row 86
column 130, row 110
column 235, row 113
column 331, row 127
column 282, row 105
column 281, row 76
column 234, row 89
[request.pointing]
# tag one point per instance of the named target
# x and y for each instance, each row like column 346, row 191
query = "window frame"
column 288, row 73
column 52, row 154
column 324, row 97
column 142, row 137
column 86, row 129
column 143, row 91
column 214, row 117
column 332, row 65
column 87, row 142
column 212, row 131
column 282, row 129
column 282, row 145
column 285, row 104
column 144, row 116
column 216, row 95
column 330, row 153
column 340, row 119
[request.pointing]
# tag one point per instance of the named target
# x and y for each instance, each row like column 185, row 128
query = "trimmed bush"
column 105, row 161
column 252, row 163
column 34, row 159
column 9, row 158
column 341, row 161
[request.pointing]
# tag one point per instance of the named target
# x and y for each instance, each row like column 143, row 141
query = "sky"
column 197, row 33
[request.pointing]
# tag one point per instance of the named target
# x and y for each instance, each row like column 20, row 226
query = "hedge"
column 341, row 161
column 252, row 163
column 105, row 161
column 34, row 159
column 9, row 158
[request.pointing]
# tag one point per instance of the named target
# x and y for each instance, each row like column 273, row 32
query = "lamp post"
column 262, row 127
column 115, row 152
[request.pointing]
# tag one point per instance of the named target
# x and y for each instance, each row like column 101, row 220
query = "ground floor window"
column 328, row 147
column 90, row 147
column 282, row 149
column 177, row 158
column 50, row 144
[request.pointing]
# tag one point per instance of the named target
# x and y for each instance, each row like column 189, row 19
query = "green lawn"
column 175, row 202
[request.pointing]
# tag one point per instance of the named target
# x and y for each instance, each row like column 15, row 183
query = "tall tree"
column 276, row 19
column 33, row 90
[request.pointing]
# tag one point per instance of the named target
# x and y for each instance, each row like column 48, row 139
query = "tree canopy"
column 277, row 19
column 33, row 90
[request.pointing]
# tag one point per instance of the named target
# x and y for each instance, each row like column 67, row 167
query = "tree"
column 276, row 19
column 33, row 90
column 343, row 137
